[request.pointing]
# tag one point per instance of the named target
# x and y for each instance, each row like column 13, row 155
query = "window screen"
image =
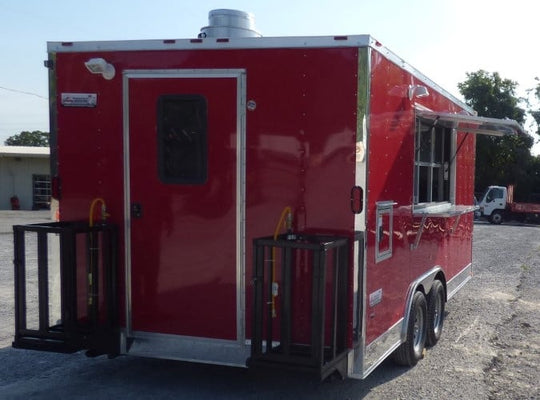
column 182, row 139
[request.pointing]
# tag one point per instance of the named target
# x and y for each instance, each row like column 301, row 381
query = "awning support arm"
column 459, row 147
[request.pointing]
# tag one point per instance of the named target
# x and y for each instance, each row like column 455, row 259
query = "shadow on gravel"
column 49, row 375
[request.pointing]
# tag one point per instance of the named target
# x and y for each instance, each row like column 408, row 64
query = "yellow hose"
column 104, row 213
column 287, row 211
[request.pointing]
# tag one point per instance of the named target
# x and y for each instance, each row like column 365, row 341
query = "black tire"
column 412, row 350
column 496, row 217
column 435, row 313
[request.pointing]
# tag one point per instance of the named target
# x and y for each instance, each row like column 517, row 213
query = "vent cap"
column 224, row 23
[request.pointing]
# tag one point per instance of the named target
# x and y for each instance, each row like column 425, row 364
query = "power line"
column 23, row 92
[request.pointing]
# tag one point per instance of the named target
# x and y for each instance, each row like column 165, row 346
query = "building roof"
column 24, row 151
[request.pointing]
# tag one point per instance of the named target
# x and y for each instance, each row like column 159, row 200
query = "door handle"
column 136, row 210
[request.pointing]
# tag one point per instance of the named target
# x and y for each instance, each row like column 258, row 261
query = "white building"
column 25, row 173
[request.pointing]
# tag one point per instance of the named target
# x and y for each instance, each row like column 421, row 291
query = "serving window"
column 435, row 153
column 433, row 169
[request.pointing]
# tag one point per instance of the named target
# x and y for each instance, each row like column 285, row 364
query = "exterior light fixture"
column 100, row 66
column 417, row 91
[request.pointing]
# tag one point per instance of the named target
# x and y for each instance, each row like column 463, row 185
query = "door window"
column 182, row 139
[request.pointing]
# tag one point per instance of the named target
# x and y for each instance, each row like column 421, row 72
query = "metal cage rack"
column 65, row 298
column 276, row 341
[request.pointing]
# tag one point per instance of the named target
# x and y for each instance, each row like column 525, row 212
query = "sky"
column 443, row 39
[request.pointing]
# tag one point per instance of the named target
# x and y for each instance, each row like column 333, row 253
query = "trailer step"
column 65, row 288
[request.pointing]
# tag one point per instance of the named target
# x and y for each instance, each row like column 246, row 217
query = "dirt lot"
column 490, row 347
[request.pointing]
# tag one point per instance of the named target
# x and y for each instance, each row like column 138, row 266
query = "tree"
column 533, row 102
column 499, row 160
column 26, row 138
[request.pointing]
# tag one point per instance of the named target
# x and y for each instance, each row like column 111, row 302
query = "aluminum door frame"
column 179, row 347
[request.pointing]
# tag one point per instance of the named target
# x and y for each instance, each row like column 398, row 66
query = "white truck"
column 497, row 204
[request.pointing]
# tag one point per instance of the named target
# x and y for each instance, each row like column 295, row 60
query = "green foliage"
column 492, row 96
column 26, row 138
column 535, row 114
column 501, row 160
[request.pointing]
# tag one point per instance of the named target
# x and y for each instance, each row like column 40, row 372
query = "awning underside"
column 472, row 124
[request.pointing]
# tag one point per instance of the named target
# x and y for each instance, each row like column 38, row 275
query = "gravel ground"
column 7, row 220
column 490, row 348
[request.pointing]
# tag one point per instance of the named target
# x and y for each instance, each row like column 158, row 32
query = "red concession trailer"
column 298, row 202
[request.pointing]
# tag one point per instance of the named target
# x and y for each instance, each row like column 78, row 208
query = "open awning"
column 472, row 124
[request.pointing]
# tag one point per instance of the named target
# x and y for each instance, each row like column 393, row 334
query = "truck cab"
column 493, row 204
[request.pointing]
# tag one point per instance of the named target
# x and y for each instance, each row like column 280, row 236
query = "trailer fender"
column 422, row 283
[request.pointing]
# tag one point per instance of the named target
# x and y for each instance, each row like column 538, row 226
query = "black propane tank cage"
column 275, row 339
column 65, row 287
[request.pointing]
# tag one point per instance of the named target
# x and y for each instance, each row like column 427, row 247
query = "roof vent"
column 224, row 23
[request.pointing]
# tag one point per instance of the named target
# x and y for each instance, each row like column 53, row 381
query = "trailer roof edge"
column 251, row 43
column 213, row 43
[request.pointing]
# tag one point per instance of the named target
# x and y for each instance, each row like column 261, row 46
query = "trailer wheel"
column 435, row 313
column 496, row 218
column 412, row 350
